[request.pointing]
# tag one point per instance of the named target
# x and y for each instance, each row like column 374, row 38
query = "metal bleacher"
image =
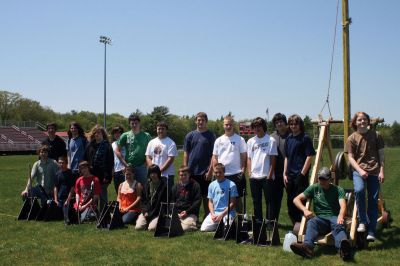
column 20, row 139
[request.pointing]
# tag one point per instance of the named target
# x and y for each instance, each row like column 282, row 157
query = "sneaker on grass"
column 361, row 228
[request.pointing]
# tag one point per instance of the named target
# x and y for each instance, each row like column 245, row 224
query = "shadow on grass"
column 332, row 252
column 389, row 238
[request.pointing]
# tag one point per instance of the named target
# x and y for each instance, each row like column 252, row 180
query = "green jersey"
column 326, row 202
column 135, row 145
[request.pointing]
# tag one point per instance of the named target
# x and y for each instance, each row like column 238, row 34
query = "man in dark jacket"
column 57, row 146
column 187, row 197
column 154, row 192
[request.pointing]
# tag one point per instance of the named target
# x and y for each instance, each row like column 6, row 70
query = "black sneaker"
column 302, row 250
column 345, row 249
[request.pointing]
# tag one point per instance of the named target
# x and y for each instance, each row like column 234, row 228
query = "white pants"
column 141, row 223
column 189, row 223
column 209, row 225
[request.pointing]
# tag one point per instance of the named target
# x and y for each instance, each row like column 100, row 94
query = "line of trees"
column 14, row 107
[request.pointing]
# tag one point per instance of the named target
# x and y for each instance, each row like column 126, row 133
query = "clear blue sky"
column 211, row 55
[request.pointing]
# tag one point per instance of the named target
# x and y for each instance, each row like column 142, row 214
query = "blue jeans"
column 141, row 174
column 65, row 210
column 258, row 187
column 130, row 217
column 321, row 226
column 119, row 178
column 38, row 193
column 368, row 217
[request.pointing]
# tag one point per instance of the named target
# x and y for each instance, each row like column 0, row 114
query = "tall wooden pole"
column 346, row 68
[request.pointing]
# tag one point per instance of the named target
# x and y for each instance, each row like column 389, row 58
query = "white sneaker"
column 361, row 228
column 370, row 238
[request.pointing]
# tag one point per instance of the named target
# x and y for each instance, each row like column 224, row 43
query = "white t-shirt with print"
column 228, row 150
column 259, row 151
column 159, row 150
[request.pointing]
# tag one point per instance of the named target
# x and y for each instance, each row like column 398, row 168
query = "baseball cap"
column 324, row 173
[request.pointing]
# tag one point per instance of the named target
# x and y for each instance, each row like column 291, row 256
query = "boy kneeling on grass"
column 218, row 200
column 43, row 174
column 153, row 193
column 87, row 190
column 64, row 187
column 330, row 208
column 187, row 197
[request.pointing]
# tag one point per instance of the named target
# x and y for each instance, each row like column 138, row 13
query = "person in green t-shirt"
column 329, row 211
column 135, row 142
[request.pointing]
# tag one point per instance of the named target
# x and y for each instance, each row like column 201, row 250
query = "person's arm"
column 307, row 165
column 86, row 204
column 119, row 155
column 55, row 195
column 285, row 177
column 243, row 162
column 210, row 170
column 272, row 166
column 249, row 166
column 70, row 194
column 214, row 160
column 69, row 159
column 211, row 208
column 33, row 173
column 381, row 175
column 77, row 201
column 68, row 155
column 356, row 166
column 342, row 212
column 185, row 160
column 149, row 160
column 119, row 196
column 167, row 163
column 298, row 201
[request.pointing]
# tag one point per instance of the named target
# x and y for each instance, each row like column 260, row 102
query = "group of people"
column 143, row 173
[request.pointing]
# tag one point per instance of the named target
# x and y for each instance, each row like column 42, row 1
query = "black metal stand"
column 110, row 217
column 168, row 223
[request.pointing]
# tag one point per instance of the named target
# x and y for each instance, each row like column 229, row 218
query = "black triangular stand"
column 26, row 208
column 168, row 223
column 35, row 208
column 256, row 226
column 225, row 231
column 110, row 217
column 53, row 212
column 73, row 215
column 42, row 212
column 243, row 226
column 268, row 234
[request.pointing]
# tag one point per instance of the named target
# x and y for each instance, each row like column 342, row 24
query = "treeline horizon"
column 14, row 107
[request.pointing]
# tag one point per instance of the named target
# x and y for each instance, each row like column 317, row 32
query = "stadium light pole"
column 106, row 40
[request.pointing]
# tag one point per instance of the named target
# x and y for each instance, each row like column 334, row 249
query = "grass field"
column 48, row 243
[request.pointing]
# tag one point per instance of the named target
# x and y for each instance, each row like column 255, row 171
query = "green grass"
column 46, row 243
